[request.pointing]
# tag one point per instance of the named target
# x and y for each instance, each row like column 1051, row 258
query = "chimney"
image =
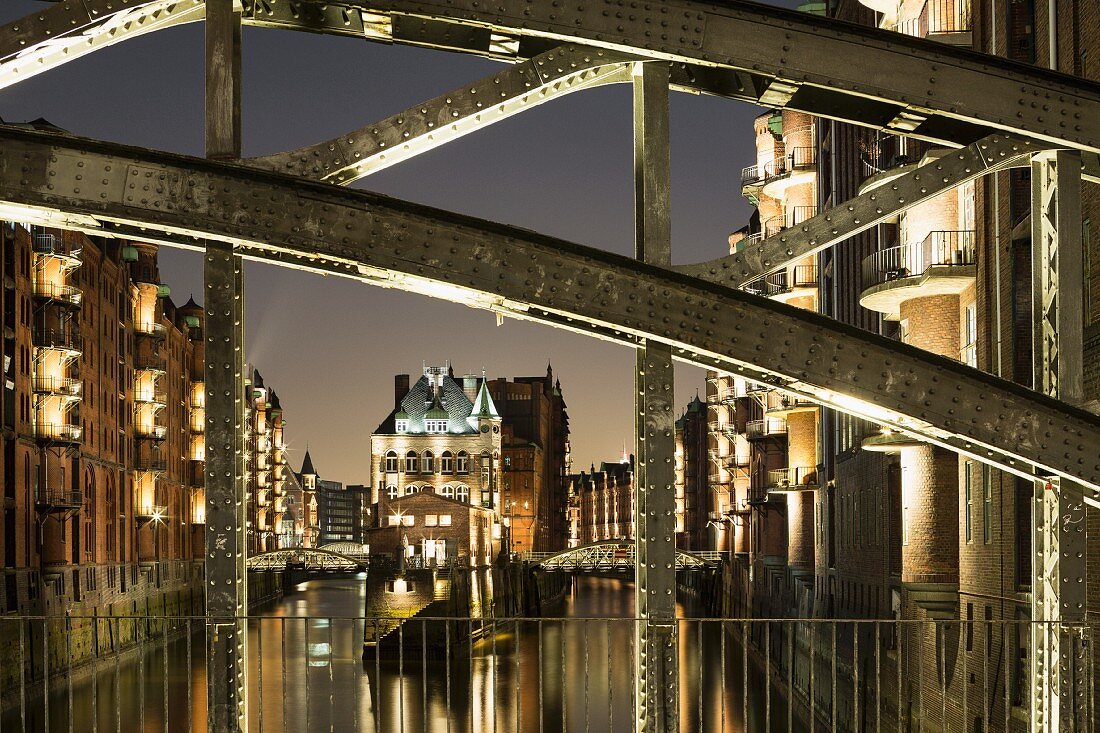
column 469, row 386
column 400, row 388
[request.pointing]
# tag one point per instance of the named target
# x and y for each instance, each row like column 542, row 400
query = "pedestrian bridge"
column 313, row 559
column 615, row 556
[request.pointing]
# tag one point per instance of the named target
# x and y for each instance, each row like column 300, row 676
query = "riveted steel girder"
column 955, row 167
column 794, row 60
column 106, row 188
column 73, row 28
column 348, row 158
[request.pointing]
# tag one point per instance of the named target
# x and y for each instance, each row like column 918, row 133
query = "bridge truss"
column 290, row 209
column 611, row 557
column 307, row 558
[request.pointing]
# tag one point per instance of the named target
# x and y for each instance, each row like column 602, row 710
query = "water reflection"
column 570, row 673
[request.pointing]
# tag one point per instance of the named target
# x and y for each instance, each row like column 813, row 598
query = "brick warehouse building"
column 103, row 439
column 826, row 515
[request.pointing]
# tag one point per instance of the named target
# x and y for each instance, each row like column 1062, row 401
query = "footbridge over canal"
column 612, row 556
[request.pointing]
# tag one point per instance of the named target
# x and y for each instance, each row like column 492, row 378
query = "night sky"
column 330, row 346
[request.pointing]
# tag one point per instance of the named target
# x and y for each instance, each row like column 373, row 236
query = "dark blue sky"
column 330, row 347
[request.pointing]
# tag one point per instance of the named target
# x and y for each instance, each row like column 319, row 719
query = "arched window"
column 462, row 493
column 391, row 492
column 391, row 462
column 447, row 462
column 410, row 462
column 427, row 462
column 411, row 489
column 463, row 462
column 447, row 491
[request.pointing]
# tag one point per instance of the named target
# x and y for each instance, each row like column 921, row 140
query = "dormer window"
column 435, row 426
column 402, row 426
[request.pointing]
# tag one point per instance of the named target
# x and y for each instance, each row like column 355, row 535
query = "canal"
column 571, row 672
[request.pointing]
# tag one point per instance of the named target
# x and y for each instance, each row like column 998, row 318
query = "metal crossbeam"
column 879, row 204
column 789, row 59
column 69, row 30
column 108, row 189
column 346, row 159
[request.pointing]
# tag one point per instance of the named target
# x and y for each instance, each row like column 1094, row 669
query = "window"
column 427, row 463
column 431, row 520
column 408, row 520
column 970, row 627
column 411, row 489
column 402, row 426
column 391, row 462
column 462, row 493
column 448, row 491
column 905, row 525
column 969, row 354
column 410, row 462
column 393, row 520
column 463, row 462
column 447, row 462
column 435, row 426
column 444, row 520
column 987, row 504
column 968, row 482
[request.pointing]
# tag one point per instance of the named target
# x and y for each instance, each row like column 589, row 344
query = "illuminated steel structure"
column 285, row 209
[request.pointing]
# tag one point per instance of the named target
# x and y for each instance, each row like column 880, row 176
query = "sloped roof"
column 307, row 465
column 451, row 403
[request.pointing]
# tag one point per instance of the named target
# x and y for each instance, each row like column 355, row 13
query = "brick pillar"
column 933, row 323
column 930, row 506
column 801, row 455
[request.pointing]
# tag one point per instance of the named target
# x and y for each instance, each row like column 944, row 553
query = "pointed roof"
column 436, row 411
column 307, row 465
column 257, row 380
column 483, row 403
column 274, row 401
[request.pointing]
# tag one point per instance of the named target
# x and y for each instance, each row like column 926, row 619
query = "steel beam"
column 1059, row 680
column 114, row 190
column 69, row 30
column 346, row 159
column 656, row 691
column 879, row 204
column 226, row 492
column 795, row 60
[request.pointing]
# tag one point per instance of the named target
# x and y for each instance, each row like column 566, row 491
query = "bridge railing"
column 528, row 674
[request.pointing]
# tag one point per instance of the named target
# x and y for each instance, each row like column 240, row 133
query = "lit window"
column 447, row 491
column 391, row 492
column 447, row 462
column 463, row 462
column 391, row 462
column 402, row 426
column 410, row 490
column 970, row 336
column 462, row 493
column 444, row 520
column 431, row 520
column 428, row 462
column 968, row 482
column 987, row 504
column 408, row 520
column 410, row 462
column 393, row 520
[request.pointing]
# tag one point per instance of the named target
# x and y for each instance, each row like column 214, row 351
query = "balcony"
column 57, row 501
column 67, row 339
column 767, row 428
column 145, row 513
column 798, row 281
column 749, row 240
column 157, row 331
column 942, row 264
column 150, row 464
column 58, row 433
column 66, row 295
column 727, row 395
column 66, row 387
column 715, row 478
column 792, row 217
column 946, row 21
column 797, row 166
column 51, row 245
column 781, row 405
column 195, row 473
column 151, row 432
column 149, row 363
column 155, row 397
column 751, row 179
column 799, row 478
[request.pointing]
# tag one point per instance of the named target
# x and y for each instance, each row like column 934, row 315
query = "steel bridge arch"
column 113, row 190
column 314, row 558
column 611, row 555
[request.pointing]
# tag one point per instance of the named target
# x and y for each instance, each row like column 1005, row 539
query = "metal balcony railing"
column 50, row 499
column 149, row 362
column 767, row 428
column 886, row 153
column 151, row 329
column 53, row 245
column 792, row 478
column 151, row 511
column 61, row 386
column 729, row 394
column 779, row 401
column 938, row 17
column 156, row 397
column 801, row 158
column 65, row 294
column 939, row 249
column 151, row 432
column 58, row 432
column 792, row 217
column 57, row 338
column 750, row 175
column 784, row 281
